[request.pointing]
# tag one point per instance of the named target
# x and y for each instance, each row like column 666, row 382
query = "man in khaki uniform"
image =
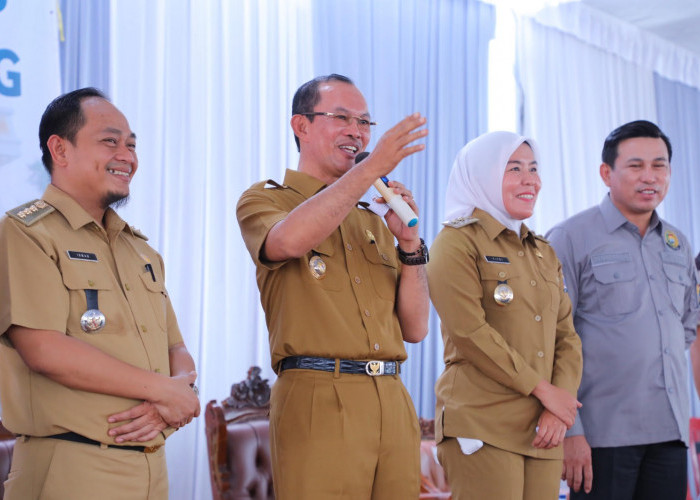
column 93, row 370
column 339, row 304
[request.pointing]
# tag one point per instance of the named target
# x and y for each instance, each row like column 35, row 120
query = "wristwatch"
column 417, row 258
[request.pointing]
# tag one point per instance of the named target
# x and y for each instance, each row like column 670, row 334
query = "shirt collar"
column 76, row 215
column 613, row 218
column 493, row 228
column 308, row 186
column 302, row 183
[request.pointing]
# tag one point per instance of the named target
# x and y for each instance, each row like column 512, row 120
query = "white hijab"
column 476, row 180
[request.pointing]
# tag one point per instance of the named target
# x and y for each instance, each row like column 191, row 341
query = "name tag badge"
column 87, row 256
column 493, row 259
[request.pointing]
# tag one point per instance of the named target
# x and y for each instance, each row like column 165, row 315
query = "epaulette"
column 274, row 185
column 460, row 221
column 31, row 212
column 138, row 233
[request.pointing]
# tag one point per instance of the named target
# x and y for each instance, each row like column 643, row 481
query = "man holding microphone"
column 339, row 301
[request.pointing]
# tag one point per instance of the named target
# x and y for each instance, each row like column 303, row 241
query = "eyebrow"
column 658, row 158
column 118, row 132
column 340, row 109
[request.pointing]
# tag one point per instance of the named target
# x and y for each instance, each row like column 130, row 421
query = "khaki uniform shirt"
column 43, row 287
column 496, row 354
column 346, row 312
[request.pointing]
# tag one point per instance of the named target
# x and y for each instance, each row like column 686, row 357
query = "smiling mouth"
column 647, row 191
column 526, row 197
column 349, row 149
column 120, row 173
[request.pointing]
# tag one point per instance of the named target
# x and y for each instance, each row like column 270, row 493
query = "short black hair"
column 64, row 117
column 638, row 128
column 307, row 96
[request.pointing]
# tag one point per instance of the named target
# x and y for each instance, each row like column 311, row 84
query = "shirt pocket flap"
column 612, row 268
column 85, row 278
column 376, row 255
column 150, row 284
column 324, row 248
column 675, row 270
column 497, row 272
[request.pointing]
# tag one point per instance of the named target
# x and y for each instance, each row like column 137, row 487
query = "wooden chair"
column 7, row 444
column 237, row 433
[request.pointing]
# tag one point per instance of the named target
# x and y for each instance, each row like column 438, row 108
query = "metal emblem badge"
column 538, row 253
column 317, row 267
column 503, row 294
column 374, row 368
column 370, row 236
column 92, row 320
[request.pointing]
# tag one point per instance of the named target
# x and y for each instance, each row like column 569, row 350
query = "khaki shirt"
column 42, row 287
column 348, row 311
column 496, row 354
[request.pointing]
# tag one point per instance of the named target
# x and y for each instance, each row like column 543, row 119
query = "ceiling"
column 674, row 20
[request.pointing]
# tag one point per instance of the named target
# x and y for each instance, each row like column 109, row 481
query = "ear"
column 605, row 173
column 57, row 148
column 300, row 126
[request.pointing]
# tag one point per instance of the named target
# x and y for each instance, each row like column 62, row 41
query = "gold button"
column 126, row 285
column 540, row 354
column 521, row 253
column 367, row 312
column 502, row 274
column 348, row 246
column 357, row 280
column 376, row 347
column 144, row 329
column 385, row 256
column 91, row 283
column 538, row 318
column 533, row 282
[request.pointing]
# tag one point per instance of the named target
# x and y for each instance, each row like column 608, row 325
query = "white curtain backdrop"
column 573, row 95
column 207, row 87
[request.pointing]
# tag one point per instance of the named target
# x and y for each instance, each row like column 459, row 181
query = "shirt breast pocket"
column 615, row 284
column 158, row 298
column 551, row 278
column 677, row 280
column 383, row 269
column 323, row 269
column 77, row 278
column 493, row 275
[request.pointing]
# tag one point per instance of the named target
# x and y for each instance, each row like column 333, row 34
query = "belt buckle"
column 152, row 449
column 374, row 368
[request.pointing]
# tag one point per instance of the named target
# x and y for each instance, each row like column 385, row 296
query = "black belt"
column 371, row 368
column 77, row 438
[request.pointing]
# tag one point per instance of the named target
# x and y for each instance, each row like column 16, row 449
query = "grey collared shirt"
column 635, row 307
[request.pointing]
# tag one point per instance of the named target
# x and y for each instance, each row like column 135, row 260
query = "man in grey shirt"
column 632, row 282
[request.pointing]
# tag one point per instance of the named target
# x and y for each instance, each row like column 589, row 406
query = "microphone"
column 395, row 201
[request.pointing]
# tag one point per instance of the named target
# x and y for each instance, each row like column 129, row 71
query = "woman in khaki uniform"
column 512, row 357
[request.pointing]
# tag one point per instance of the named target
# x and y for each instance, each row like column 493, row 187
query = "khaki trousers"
column 492, row 473
column 51, row 469
column 343, row 436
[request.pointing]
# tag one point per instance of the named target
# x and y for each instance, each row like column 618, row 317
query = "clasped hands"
column 176, row 406
column 558, row 415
